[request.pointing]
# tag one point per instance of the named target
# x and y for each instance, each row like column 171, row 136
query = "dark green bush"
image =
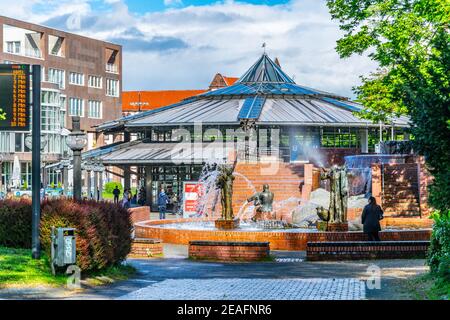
column 439, row 253
column 15, row 223
column 103, row 229
column 110, row 186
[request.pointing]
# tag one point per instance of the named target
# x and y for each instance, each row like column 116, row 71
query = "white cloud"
column 173, row 2
column 182, row 48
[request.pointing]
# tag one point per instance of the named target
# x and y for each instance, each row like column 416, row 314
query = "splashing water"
column 249, row 183
column 210, row 193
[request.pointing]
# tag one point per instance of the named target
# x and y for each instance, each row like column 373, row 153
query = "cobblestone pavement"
column 175, row 277
column 251, row 289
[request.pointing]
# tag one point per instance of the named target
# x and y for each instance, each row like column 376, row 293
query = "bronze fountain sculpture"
column 224, row 182
column 335, row 218
column 263, row 202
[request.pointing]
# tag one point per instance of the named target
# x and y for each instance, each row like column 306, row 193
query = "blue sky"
column 142, row 6
column 181, row 44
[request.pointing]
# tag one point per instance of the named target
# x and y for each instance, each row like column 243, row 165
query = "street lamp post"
column 76, row 141
column 36, row 169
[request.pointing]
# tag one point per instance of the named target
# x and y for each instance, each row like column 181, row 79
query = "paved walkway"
column 288, row 277
column 251, row 289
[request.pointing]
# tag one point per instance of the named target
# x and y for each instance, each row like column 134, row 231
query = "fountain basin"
column 182, row 231
column 223, row 224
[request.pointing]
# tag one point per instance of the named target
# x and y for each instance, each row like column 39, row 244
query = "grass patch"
column 429, row 287
column 17, row 268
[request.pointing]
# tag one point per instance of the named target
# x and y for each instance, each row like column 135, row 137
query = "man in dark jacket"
column 116, row 193
column 163, row 200
column 371, row 216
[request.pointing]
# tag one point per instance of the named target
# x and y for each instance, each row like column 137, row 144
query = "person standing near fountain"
column 370, row 218
column 163, row 200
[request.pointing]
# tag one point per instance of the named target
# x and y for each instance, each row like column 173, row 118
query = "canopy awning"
column 142, row 153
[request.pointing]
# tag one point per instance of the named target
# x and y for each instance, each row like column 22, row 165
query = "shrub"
column 439, row 253
column 15, row 223
column 103, row 229
column 110, row 186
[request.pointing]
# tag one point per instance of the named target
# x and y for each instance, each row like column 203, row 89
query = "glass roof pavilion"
column 267, row 98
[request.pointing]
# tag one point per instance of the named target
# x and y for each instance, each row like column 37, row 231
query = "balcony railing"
column 112, row 68
column 35, row 53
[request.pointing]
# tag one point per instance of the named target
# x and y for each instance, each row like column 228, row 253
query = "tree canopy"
column 410, row 41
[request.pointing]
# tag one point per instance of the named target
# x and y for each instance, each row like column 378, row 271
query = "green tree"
column 2, row 115
column 410, row 41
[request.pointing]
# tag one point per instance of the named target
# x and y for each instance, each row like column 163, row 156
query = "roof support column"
column 100, row 186
column 148, row 186
column 95, row 197
column 89, row 184
column 126, row 177
column 364, row 140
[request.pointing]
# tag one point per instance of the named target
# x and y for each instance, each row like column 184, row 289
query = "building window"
column 112, row 87
column 95, row 82
column 57, row 76
column 76, row 107
column 340, row 138
column 95, row 109
column 5, row 142
column 76, row 78
column 56, row 46
column 18, row 145
column 13, row 47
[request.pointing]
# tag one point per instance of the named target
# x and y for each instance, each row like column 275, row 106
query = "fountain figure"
column 335, row 218
column 224, row 183
column 263, row 202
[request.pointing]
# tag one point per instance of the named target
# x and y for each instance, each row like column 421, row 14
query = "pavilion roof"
column 264, row 94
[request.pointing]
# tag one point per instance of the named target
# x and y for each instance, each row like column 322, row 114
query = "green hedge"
column 439, row 253
column 103, row 229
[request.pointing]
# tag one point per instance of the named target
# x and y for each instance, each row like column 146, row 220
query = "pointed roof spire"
column 266, row 71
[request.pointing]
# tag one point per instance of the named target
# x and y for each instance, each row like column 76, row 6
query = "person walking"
column 371, row 216
column 126, row 199
column 163, row 199
column 116, row 193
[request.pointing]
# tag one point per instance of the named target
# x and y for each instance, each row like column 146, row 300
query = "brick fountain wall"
column 284, row 179
column 278, row 240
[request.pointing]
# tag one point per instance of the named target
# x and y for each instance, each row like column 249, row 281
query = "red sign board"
column 192, row 191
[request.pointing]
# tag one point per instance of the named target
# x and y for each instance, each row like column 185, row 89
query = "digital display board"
column 14, row 97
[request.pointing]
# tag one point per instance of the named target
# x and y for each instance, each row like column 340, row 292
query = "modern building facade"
column 274, row 118
column 80, row 77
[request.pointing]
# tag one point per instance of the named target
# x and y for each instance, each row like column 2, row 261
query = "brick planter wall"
column 278, row 240
column 229, row 251
column 335, row 251
column 146, row 248
column 139, row 214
